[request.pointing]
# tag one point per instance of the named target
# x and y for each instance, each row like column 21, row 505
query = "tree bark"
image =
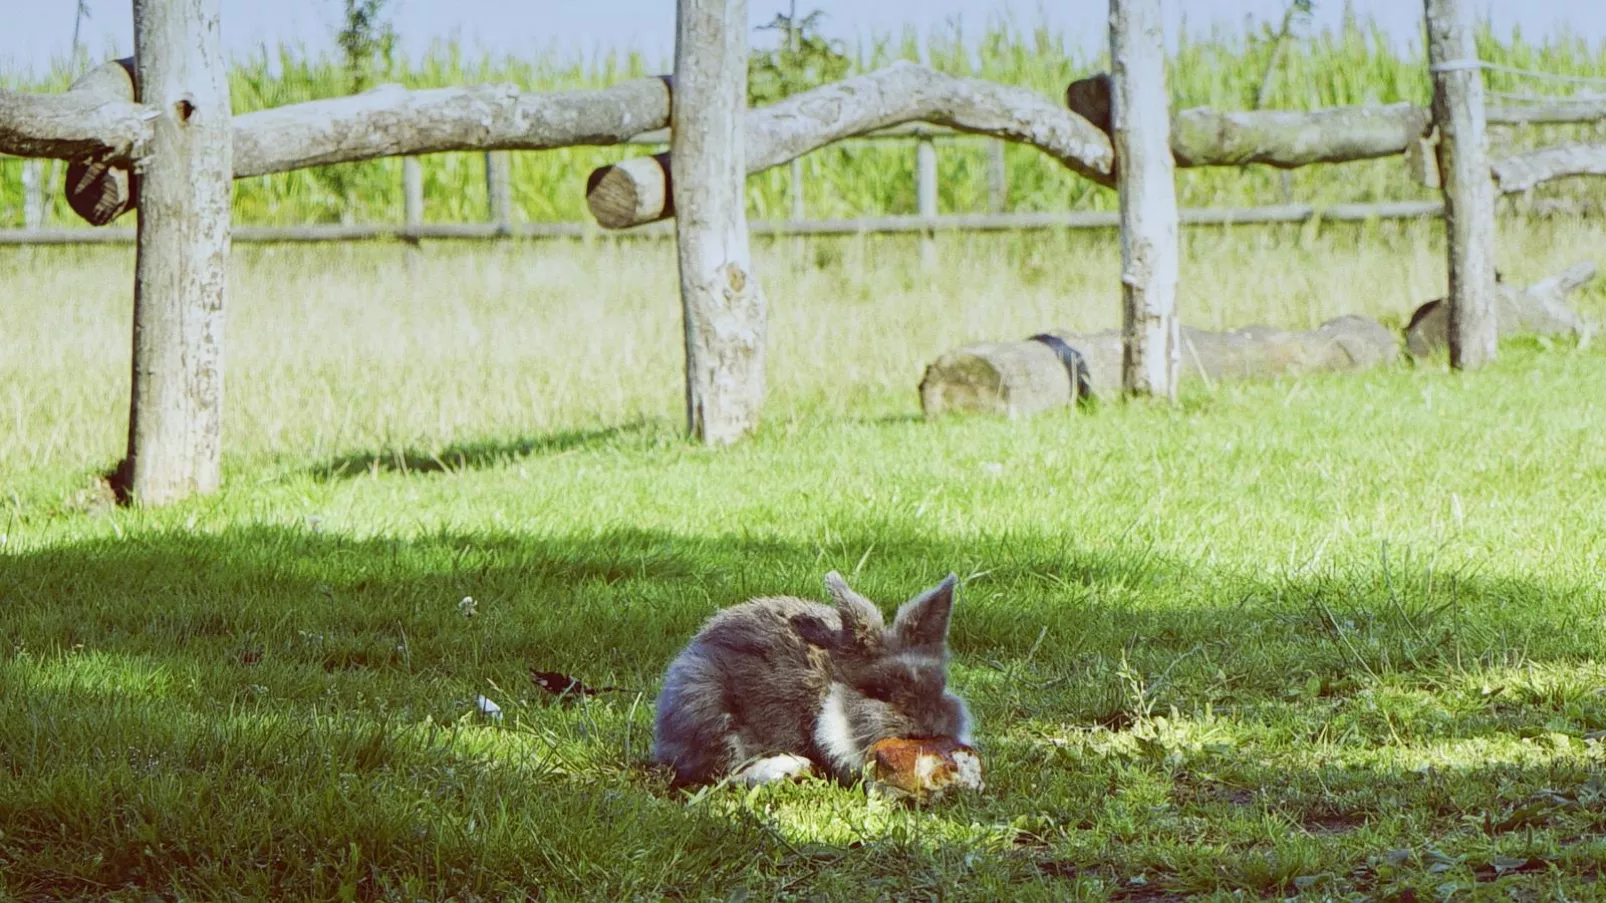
column 636, row 191
column 1140, row 119
column 723, row 306
column 1017, row 379
column 1465, row 176
column 175, row 421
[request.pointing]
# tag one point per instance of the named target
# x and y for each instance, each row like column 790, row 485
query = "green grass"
column 1336, row 636
column 1354, row 64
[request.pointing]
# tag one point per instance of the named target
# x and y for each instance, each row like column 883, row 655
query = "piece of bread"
column 923, row 768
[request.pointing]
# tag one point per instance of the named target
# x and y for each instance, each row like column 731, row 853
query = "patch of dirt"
column 1332, row 824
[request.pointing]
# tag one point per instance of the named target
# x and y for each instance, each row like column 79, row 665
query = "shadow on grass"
column 614, row 605
column 267, row 670
column 481, row 454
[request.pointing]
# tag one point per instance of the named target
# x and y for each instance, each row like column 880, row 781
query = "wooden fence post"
column 1145, row 178
column 997, row 178
column 499, row 188
column 33, row 193
column 926, row 196
column 181, row 270
column 1465, row 181
column 723, row 305
column 798, row 210
column 412, row 191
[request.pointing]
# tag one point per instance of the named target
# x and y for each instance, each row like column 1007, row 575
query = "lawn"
column 1335, row 636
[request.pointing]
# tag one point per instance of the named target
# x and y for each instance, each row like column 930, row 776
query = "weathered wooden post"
column 412, row 192
column 723, row 306
column 499, row 188
column 926, row 197
column 33, row 193
column 1465, row 181
column 1141, row 122
column 997, row 178
column 181, row 271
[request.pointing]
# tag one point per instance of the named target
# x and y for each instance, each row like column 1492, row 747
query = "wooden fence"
column 1112, row 129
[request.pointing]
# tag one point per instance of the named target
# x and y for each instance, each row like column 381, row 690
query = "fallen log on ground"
column 1022, row 378
column 1056, row 369
column 1538, row 309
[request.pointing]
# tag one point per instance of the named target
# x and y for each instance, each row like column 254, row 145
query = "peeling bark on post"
column 175, row 421
column 1145, row 178
column 724, row 307
column 1467, row 185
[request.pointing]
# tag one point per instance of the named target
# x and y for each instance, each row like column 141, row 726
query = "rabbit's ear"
column 859, row 615
column 923, row 620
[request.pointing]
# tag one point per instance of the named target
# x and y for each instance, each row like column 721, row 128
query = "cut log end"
column 95, row 190
column 100, row 193
column 1089, row 98
column 631, row 192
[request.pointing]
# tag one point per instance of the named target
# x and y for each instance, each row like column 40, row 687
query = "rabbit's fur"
column 780, row 686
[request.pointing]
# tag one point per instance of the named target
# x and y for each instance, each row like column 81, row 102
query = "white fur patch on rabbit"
column 775, row 768
column 834, row 734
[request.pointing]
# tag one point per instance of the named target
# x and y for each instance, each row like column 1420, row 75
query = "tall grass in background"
column 1351, row 64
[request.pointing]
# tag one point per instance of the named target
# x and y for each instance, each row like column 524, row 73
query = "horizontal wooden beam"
column 979, row 222
column 636, row 191
column 1525, row 171
column 391, row 121
column 72, row 125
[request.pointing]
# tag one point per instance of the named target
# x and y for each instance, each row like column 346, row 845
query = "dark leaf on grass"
column 559, row 684
column 1058, row 868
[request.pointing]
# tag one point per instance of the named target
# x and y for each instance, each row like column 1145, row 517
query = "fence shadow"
column 477, row 455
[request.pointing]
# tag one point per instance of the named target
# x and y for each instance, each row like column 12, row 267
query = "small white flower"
column 468, row 608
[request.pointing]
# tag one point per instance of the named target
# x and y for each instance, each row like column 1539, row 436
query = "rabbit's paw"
column 776, row 768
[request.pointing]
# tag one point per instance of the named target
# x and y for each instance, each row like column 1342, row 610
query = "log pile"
column 1057, row 369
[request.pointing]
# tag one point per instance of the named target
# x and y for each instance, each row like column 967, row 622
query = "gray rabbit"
column 780, row 686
